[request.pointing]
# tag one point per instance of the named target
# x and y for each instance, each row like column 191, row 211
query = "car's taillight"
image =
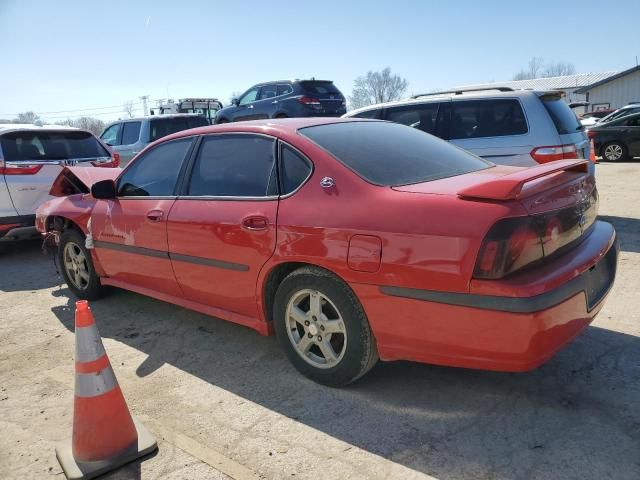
column 555, row 152
column 18, row 169
column 591, row 133
column 107, row 162
column 309, row 101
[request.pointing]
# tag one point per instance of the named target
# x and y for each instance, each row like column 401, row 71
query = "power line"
column 76, row 110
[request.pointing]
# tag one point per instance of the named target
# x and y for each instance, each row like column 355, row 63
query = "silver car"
column 504, row 126
column 31, row 157
column 128, row 137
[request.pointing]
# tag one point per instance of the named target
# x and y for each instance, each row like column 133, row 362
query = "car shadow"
column 15, row 255
column 576, row 416
column 628, row 230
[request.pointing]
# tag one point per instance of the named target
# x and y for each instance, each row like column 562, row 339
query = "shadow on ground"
column 628, row 229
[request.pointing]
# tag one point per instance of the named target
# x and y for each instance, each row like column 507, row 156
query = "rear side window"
column 111, row 136
column 319, row 88
column 487, row 118
column 130, row 133
column 294, row 169
column 268, row 91
column 234, row 166
column 155, row 173
column 161, row 127
column 390, row 154
column 51, row 146
column 285, row 89
column 376, row 113
column 423, row 117
column 563, row 117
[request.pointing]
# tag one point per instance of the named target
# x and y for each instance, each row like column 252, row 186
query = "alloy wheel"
column 76, row 265
column 613, row 152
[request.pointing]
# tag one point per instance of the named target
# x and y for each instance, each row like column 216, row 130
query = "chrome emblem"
column 327, row 182
column 70, row 163
column 582, row 220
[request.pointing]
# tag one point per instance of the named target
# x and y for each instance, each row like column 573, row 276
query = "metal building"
column 614, row 91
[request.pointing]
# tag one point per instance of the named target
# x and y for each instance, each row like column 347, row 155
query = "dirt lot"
column 224, row 402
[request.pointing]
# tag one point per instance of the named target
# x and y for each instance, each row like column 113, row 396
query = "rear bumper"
column 502, row 333
column 20, row 227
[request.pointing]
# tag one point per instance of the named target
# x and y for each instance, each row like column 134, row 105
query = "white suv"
column 31, row 157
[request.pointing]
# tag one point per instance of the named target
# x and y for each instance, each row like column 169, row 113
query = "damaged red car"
column 351, row 240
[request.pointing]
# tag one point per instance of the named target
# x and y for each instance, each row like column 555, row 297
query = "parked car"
column 619, row 139
column 591, row 118
column 621, row 112
column 286, row 98
column 337, row 235
column 522, row 127
column 128, row 137
column 31, row 157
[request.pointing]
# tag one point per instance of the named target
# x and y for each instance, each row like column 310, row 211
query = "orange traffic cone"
column 105, row 436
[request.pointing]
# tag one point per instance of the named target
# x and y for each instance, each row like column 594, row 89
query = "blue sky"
column 66, row 55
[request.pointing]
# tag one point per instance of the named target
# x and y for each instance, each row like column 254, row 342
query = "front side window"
column 487, row 118
column 112, row 134
column 249, row 97
column 268, row 91
column 423, row 117
column 130, row 133
column 294, row 169
column 390, row 154
column 155, row 173
column 234, row 166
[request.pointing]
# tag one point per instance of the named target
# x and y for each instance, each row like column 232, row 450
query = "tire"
column 614, row 152
column 74, row 260
column 350, row 348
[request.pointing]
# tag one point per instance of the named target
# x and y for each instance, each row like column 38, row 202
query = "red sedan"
column 352, row 240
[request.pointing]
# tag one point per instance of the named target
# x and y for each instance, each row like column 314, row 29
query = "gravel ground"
column 224, row 402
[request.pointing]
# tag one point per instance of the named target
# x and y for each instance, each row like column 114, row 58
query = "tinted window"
column 111, row 135
column 487, row 118
column 284, row 89
column 319, row 88
column 130, row 133
column 161, row 127
column 155, row 173
column 422, row 117
column 633, row 122
column 51, row 146
column 563, row 117
column 391, row 154
column 375, row 113
column 233, row 166
column 249, row 97
column 294, row 169
column 268, row 91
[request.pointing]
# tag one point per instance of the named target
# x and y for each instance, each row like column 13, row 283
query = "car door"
column 246, row 105
column 129, row 144
column 222, row 229
column 631, row 136
column 130, row 232
column 266, row 104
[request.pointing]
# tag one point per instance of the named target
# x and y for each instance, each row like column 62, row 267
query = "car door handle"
column 274, row 102
column 255, row 222
column 249, row 106
column 155, row 215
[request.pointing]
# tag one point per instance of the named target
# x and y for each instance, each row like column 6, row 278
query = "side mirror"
column 104, row 190
column 235, row 101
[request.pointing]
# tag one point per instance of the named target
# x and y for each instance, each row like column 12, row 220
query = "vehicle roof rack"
column 460, row 91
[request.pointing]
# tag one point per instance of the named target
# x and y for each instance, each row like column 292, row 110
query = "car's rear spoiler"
column 72, row 180
column 510, row 186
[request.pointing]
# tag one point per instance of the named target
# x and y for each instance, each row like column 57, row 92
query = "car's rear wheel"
column 322, row 327
column 77, row 267
column 614, row 152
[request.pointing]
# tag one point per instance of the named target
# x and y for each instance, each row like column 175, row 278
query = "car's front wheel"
column 77, row 267
column 322, row 327
column 614, row 152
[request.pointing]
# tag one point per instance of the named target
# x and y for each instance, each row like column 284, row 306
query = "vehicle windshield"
column 390, row 154
column 161, row 127
column 563, row 117
column 51, row 145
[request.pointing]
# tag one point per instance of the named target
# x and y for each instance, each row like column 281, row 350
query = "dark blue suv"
column 286, row 98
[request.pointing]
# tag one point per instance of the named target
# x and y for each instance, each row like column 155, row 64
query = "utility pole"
column 144, row 99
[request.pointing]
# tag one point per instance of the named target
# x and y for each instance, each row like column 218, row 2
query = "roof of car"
column 14, row 127
column 153, row 117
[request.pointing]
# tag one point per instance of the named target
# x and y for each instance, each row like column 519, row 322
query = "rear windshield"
column 563, row 117
column 320, row 88
column 390, row 154
column 161, row 127
column 51, row 146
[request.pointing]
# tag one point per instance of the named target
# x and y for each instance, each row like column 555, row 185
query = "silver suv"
column 502, row 125
column 128, row 137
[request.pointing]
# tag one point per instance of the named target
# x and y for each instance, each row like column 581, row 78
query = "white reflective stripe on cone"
column 88, row 344
column 95, row 384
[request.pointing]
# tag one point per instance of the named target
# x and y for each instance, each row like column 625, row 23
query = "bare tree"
column 377, row 87
column 128, row 109
column 559, row 69
column 94, row 125
column 533, row 70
